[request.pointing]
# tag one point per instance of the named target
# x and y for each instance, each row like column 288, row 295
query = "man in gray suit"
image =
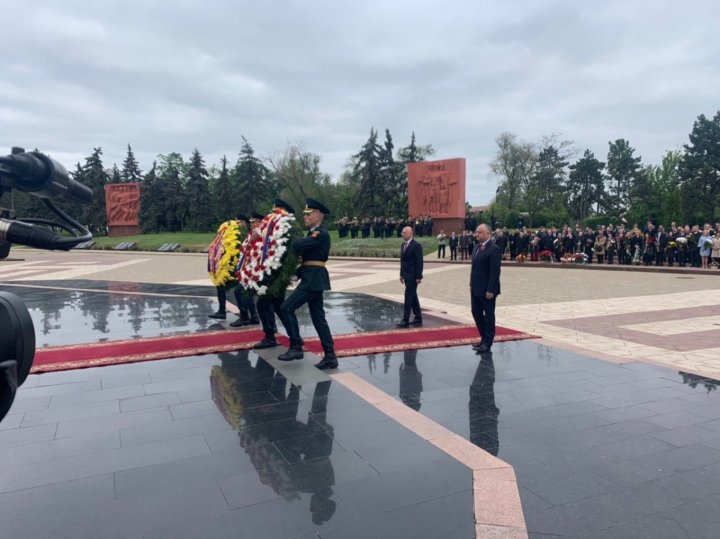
column 484, row 286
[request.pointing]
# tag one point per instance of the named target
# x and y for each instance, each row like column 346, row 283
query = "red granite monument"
column 438, row 188
column 122, row 203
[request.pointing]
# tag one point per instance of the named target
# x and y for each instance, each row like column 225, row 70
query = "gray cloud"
column 172, row 77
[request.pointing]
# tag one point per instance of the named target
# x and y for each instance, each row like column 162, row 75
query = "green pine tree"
column 200, row 216
column 94, row 214
column 131, row 170
column 223, row 194
column 700, row 171
column 253, row 181
column 585, row 186
column 151, row 203
column 367, row 174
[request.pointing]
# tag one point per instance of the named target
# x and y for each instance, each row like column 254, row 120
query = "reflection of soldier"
column 256, row 402
column 482, row 410
column 410, row 380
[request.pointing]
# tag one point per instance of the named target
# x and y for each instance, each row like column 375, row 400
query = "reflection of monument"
column 437, row 188
column 122, row 202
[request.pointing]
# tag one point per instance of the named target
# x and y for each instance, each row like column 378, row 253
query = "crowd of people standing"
column 679, row 245
column 384, row 227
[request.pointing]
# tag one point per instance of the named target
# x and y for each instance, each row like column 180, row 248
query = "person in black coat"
column 411, row 274
column 484, row 287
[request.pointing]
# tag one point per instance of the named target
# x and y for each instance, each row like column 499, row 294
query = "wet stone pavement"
column 225, row 446
column 79, row 311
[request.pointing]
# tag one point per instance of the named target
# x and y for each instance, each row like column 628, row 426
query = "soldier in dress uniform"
column 314, row 280
column 245, row 302
column 267, row 307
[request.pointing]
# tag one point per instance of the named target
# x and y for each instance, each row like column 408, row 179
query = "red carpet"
column 77, row 356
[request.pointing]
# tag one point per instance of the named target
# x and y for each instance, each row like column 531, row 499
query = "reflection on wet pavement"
column 599, row 450
column 223, row 445
column 75, row 312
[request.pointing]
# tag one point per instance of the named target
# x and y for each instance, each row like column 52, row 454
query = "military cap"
column 279, row 203
column 311, row 205
column 255, row 215
column 241, row 217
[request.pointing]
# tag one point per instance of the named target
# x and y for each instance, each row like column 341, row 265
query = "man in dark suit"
column 411, row 270
column 314, row 280
column 661, row 241
column 484, row 287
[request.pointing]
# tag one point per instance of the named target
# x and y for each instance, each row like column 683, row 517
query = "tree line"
column 181, row 194
column 542, row 182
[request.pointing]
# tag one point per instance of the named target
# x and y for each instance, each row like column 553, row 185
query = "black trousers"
column 483, row 311
column 267, row 309
column 441, row 251
column 453, row 253
column 314, row 299
column 244, row 303
column 411, row 301
column 222, row 298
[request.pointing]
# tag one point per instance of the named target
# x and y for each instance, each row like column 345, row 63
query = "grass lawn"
column 189, row 241
column 196, row 242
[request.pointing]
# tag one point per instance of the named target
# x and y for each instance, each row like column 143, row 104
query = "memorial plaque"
column 437, row 188
column 122, row 203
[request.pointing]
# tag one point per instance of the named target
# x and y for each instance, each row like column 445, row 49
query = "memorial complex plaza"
column 605, row 425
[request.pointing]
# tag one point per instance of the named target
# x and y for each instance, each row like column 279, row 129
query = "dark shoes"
column 293, row 353
column 482, row 349
column 403, row 324
column 217, row 316
column 239, row 323
column 267, row 342
column 329, row 361
column 416, row 322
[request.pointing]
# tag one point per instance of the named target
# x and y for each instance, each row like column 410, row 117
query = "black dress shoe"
column 265, row 343
column 217, row 316
column 329, row 361
column 292, row 354
column 402, row 324
column 238, row 323
column 482, row 349
column 477, row 345
column 416, row 322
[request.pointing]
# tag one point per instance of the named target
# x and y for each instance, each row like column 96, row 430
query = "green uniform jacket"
column 315, row 246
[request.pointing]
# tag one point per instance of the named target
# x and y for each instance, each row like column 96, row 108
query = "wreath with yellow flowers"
column 224, row 253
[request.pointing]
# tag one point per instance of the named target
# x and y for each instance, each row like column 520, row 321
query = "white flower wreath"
column 263, row 251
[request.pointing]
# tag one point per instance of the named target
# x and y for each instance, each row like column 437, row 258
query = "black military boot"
column 254, row 320
column 267, row 342
column 240, row 322
column 294, row 352
column 220, row 315
column 329, row 361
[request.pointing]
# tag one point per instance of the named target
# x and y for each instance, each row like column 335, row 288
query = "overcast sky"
column 172, row 76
